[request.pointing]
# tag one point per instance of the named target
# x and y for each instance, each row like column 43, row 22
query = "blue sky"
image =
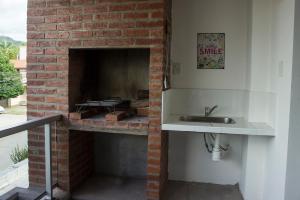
column 13, row 18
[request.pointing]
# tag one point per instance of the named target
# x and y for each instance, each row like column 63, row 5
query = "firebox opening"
column 97, row 74
column 108, row 165
column 120, row 155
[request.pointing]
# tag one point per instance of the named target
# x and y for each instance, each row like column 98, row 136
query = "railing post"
column 48, row 160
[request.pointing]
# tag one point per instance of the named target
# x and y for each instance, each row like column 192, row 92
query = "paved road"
column 7, row 144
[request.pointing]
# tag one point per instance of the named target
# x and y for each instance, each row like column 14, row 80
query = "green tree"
column 9, row 49
column 10, row 79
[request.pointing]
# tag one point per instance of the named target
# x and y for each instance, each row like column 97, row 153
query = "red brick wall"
column 54, row 26
column 81, row 158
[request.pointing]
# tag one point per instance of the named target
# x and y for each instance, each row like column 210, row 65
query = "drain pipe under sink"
column 217, row 151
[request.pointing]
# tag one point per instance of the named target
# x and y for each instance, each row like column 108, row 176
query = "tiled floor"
column 108, row 188
column 200, row 191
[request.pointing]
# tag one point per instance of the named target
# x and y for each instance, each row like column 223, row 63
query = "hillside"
column 10, row 40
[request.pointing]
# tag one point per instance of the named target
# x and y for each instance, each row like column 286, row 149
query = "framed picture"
column 211, row 51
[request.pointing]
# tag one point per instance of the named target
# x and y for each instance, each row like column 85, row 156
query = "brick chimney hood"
column 55, row 27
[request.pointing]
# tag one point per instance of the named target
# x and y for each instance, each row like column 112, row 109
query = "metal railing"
column 45, row 121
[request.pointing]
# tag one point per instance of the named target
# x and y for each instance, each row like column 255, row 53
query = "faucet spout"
column 209, row 110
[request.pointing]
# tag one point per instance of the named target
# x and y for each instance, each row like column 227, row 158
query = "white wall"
column 231, row 103
column 260, row 42
column 191, row 162
column 189, row 159
column 292, row 191
column 282, row 55
column 269, row 98
column 210, row 16
column 253, row 167
column 261, row 97
column 259, row 53
column 23, row 53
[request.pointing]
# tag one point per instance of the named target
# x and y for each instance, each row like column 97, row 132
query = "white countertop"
column 241, row 127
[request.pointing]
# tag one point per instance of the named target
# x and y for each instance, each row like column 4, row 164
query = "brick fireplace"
column 60, row 29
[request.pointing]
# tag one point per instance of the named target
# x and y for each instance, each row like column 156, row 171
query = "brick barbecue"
column 55, row 27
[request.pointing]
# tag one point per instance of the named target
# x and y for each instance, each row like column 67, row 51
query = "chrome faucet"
column 209, row 110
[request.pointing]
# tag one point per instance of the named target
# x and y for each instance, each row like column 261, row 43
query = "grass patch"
column 19, row 154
